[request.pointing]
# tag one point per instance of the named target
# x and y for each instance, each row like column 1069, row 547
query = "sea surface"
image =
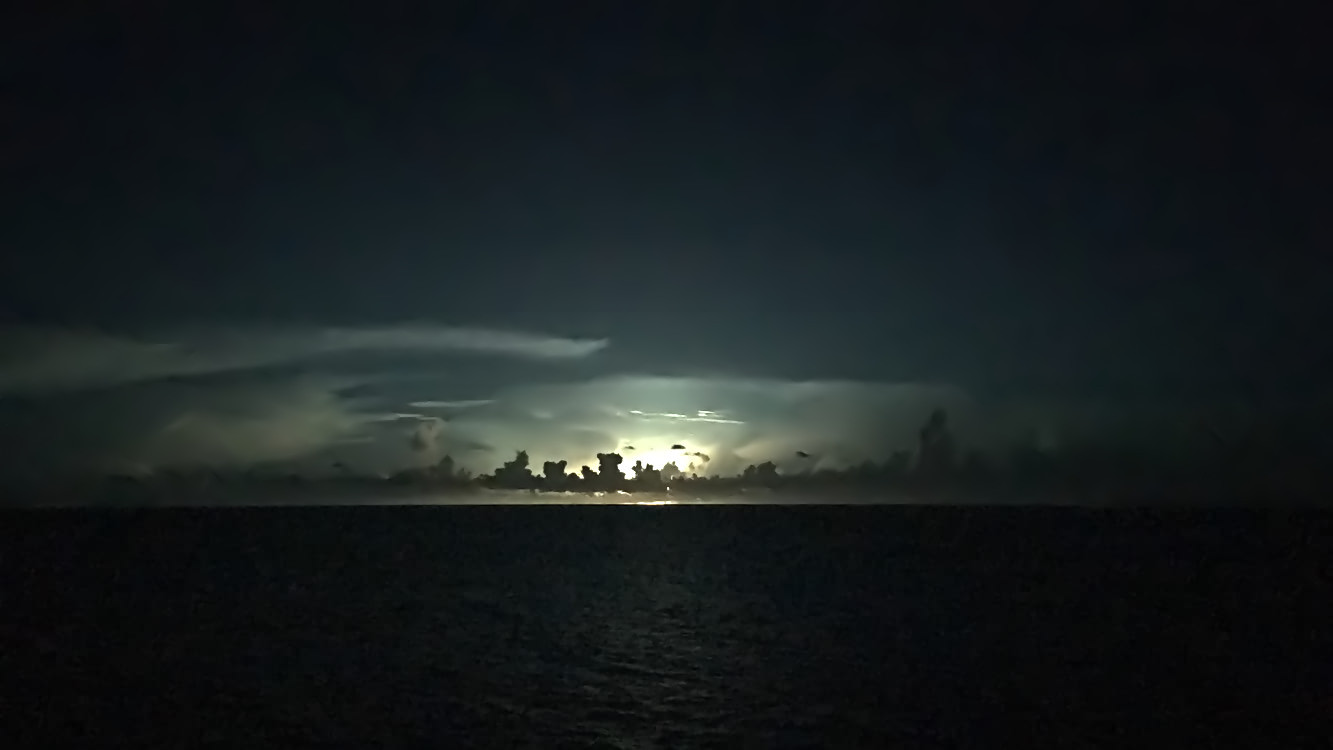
column 668, row 626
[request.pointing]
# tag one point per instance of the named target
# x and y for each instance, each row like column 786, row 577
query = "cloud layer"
column 313, row 423
column 332, row 399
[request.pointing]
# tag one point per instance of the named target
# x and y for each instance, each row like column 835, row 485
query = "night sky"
column 255, row 238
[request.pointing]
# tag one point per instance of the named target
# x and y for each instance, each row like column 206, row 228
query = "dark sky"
column 1086, row 201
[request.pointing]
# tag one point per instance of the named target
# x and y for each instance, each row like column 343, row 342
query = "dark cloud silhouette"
column 515, row 473
column 554, row 471
column 608, row 467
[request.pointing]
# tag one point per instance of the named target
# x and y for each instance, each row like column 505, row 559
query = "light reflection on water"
column 523, row 497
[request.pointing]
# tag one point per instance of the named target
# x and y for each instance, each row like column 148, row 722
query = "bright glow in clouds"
column 657, row 457
column 723, row 423
column 414, row 413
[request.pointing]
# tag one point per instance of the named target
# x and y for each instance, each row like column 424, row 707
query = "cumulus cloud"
column 44, row 359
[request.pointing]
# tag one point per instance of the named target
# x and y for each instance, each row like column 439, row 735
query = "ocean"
column 680, row 626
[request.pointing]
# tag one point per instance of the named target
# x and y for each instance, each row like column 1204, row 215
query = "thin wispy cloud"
column 467, row 404
column 44, row 359
column 447, row 338
column 703, row 416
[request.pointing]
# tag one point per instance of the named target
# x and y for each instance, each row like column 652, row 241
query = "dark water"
column 640, row 627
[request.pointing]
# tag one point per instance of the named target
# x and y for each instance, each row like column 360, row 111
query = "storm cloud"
column 725, row 422
column 106, row 403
